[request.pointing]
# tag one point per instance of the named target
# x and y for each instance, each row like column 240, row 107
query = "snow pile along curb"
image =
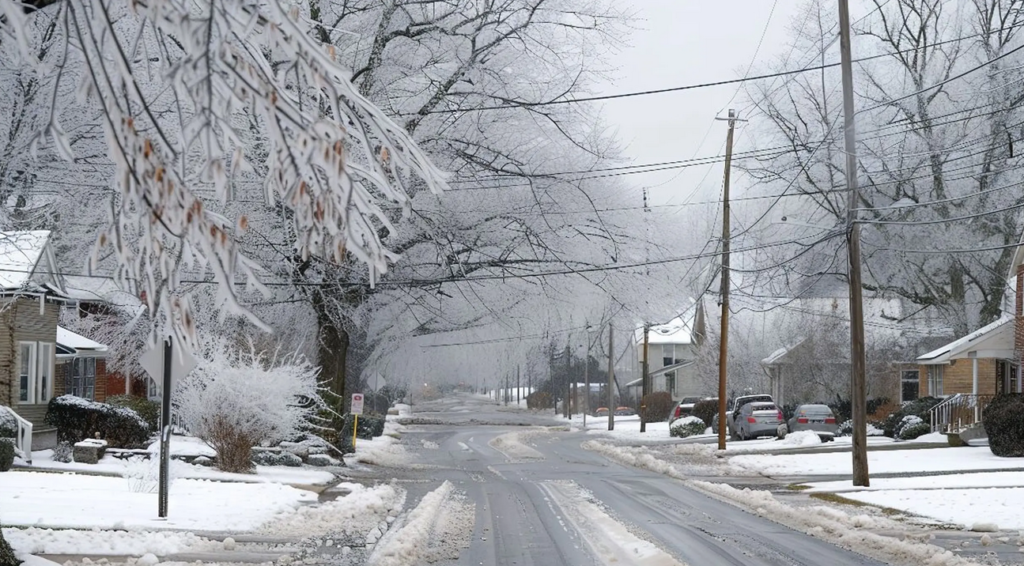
column 692, row 459
column 834, row 526
column 440, row 519
column 513, row 445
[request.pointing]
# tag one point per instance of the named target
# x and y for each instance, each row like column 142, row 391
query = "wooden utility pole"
column 567, row 403
column 857, row 359
column 506, row 390
column 586, row 380
column 644, row 386
column 723, row 346
column 519, row 390
column 611, row 377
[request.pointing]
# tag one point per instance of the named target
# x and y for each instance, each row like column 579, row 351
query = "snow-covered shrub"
column 687, row 426
column 63, row 452
column 910, row 427
column 322, row 460
column 77, row 419
column 705, row 410
column 8, row 425
column 6, row 454
column 539, row 400
column 143, row 474
column 148, row 410
column 275, row 458
column 1004, row 424
column 235, row 400
column 920, row 408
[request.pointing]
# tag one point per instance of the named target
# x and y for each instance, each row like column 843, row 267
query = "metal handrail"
column 23, row 442
column 958, row 412
column 941, row 413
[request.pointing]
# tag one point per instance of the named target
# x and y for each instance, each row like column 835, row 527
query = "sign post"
column 167, row 370
column 357, row 409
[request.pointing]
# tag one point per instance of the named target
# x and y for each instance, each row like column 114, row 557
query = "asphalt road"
column 527, row 514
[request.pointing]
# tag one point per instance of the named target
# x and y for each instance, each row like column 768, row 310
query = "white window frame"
column 46, row 357
column 936, row 375
column 30, row 388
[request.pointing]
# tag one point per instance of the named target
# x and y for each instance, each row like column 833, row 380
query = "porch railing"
column 958, row 412
column 23, row 440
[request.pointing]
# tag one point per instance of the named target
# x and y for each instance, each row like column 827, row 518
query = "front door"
column 1007, row 377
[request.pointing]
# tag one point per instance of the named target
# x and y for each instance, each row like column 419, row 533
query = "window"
column 26, row 371
column 668, row 354
column 670, row 382
column 81, row 378
column 44, row 383
column 911, row 385
column 935, row 380
column 151, row 389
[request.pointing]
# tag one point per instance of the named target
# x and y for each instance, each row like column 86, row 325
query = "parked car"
column 758, row 418
column 601, row 412
column 624, row 412
column 683, row 409
column 737, row 405
column 814, row 417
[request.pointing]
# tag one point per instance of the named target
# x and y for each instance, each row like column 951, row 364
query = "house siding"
column 21, row 321
column 1018, row 318
column 959, row 377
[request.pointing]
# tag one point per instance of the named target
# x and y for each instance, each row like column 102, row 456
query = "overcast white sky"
column 684, row 42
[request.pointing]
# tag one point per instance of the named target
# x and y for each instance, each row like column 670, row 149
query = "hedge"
column 1003, row 420
column 687, row 426
column 148, row 410
column 6, row 454
column 705, row 410
column 920, row 408
column 539, row 400
column 8, row 425
column 77, row 419
column 658, row 406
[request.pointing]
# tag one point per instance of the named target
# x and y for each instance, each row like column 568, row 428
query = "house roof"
column 781, row 353
column 20, row 253
column 679, row 330
column 991, row 341
column 77, row 343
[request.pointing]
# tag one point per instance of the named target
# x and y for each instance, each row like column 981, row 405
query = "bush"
column 148, row 410
column 687, row 426
column 272, row 458
column 7, row 557
column 1004, row 424
column 234, row 401
column 77, row 419
column 913, row 431
column 920, row 408
column 8, row 426
column 877, row 403
column 6, row 454
column 842, row 409
column 659, row 404
column 63, row 452
column 705, row 410
column 369, row 427
column 539, row 400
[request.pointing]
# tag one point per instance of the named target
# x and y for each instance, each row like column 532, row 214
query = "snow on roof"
column 679, row 330
column 77, row 342
column 85, row 288
column 19, row 254
column 943, row 354
column 781, row 352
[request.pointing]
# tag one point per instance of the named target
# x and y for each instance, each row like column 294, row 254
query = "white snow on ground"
column 936, row 437
column 80, row 501
column 381, row 451
column 610, row 540
column 362, row 509
column 1001, row 506
column 772, row 444
column 626, row 428
column 113, row 543
column 847, row 531
column 272, row 474
column 679, row 461
column 438, row 528
column 185, row 446
column 879, row 462
column 513, row 445
column 988, row 479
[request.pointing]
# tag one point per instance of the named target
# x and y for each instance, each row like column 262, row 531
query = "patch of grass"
column 839, row 499
column 797, row 487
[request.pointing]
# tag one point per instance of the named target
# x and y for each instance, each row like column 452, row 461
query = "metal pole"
column 586, row 381
column 519, row 390
column 644, row 391
column 165, row 433
column 611, row 377
column 723, row 346
column 857, row 359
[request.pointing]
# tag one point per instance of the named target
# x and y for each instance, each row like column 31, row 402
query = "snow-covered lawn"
column 990, row 479
column 626, row 429
column 264, row 474
column 879, row 462
column 1000, row 506
column 81, row 501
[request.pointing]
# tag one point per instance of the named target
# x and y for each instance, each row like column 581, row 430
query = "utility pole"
column 644, row 387
column 586, row 380
column 519, row 390
column 857, row 359
column 723, row 346
column 611, row 377
column 567, row 403
column 505, row 391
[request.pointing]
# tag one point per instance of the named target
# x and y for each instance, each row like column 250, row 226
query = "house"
column 672, row 348
column 38, row 360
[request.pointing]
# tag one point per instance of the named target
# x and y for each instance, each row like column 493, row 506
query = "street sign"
column 357, row 403
column 153, row 362
column 378, row 383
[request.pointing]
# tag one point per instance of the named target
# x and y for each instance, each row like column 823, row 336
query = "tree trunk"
column 333, row 351
column 6, row 552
